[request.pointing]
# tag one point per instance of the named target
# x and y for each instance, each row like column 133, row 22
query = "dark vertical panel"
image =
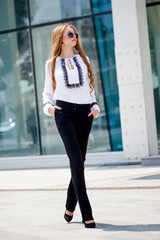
column 107, row 119
column 34, row 78
column 105, row 38
column 100, row 6
column 153, row 11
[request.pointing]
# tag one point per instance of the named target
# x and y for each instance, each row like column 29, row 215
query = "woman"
column 69, row 82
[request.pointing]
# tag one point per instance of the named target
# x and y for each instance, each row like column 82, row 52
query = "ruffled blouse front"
column 72, row 83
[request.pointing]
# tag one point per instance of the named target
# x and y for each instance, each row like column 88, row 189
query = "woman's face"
column 69, row 41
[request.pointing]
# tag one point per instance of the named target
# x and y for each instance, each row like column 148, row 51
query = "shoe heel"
column 67, row 217
column 90, row 225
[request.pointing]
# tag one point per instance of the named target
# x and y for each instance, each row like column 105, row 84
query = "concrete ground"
column 125, row 202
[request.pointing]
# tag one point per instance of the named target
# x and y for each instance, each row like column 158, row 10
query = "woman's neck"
column 67, row 53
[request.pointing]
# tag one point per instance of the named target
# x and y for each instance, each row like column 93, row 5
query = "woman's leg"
column 71, row 201
column 82, row 130
column 67, row 129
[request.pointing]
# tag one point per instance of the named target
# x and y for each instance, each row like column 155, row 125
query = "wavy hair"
column 57, row 36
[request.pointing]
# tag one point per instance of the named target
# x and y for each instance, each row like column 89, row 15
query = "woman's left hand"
column 94, row 113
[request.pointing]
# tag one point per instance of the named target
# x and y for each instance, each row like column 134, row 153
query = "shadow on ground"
column 150, row 177
column 129, row 228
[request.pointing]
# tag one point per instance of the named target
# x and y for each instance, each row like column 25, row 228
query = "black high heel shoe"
column 67, row 217
column 89, row 225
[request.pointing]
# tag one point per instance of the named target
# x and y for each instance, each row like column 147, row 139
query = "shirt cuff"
column 46, row 107
column 95, row 106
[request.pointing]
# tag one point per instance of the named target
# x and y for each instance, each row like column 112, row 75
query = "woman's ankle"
column 89, row 221
column 69, row 213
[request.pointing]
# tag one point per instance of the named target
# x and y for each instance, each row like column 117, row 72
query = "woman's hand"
column 94, row 113
column 52, row 109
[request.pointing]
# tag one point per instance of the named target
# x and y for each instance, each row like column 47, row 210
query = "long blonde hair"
column 57, row 36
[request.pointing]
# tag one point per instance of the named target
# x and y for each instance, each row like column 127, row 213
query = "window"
column 18, row 121
column 49, row 10
column 154, row 38
column 13, row 14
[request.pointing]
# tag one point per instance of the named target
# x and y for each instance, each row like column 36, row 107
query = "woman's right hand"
column 52, row 109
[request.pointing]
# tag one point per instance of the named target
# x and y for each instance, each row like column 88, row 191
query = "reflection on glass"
column 18, row 122
column 101, row 6
column 151, row 1
column 51, row 142
column 154, row 38
column 104, row 31
column 13, row 13
column 49, row 10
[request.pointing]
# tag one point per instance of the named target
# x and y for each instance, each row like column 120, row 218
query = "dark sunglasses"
column 71, row 35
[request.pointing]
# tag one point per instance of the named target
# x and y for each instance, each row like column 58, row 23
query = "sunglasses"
column 71, row 34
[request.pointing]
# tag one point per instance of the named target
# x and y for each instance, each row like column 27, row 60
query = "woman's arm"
column 94, row 105
column 47, row 95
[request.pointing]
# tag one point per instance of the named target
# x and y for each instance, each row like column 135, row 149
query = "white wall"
column 134, row 79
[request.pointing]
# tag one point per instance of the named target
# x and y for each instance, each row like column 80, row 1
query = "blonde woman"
column 69, row 83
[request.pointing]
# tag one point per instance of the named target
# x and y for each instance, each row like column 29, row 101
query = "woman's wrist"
column 50, row 109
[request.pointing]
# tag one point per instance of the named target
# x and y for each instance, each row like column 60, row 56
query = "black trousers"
column 74, row 127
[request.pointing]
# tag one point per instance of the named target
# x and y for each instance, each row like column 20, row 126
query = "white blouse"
column 72, row 85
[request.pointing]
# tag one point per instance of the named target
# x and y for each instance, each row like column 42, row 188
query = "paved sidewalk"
column 125, row 202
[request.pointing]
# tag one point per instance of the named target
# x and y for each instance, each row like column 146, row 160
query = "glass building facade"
column 25, row 42
column 153, row 17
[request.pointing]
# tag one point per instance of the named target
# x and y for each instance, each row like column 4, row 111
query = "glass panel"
column 153, row 14
column 18, row 122
column 51, row 142
column 49, row 10
column 104, row 31
column 152, row 1
column 100, row 6
column 13, row 14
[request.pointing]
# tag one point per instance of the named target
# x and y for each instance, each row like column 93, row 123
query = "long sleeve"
column 47, row 95
column 94, row 104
